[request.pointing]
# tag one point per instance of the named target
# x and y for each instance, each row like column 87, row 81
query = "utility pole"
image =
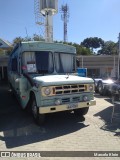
column 119, row 56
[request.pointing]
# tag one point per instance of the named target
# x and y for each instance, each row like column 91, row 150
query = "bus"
column 42, row 76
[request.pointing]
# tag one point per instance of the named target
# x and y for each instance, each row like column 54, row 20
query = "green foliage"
column 17, row 40
column 85, row 48
column 8, row 52
column 84, row 51
column 91, row 43
column 1, row 52
column 5, row 52
column 109, row 48
column 79, row 49
column 35, row 37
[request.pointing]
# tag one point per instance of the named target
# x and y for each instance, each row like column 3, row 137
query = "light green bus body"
column 52, row 91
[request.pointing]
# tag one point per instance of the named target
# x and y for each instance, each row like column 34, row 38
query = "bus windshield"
column 38, row 62
column 44, row 62
column 64, row 63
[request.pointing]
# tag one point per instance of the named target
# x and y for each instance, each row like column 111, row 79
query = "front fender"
column 36, row 93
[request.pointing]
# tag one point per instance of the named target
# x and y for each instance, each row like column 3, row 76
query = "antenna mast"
column 65, row 17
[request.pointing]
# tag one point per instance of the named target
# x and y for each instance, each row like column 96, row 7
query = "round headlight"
column 91, row 87
column 85, row 98
column 47, row 91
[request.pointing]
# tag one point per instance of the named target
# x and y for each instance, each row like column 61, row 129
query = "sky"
column 87, row 18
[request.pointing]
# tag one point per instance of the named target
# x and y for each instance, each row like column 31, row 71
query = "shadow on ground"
column 105, row 115
column 97, row 95
column 19, row 129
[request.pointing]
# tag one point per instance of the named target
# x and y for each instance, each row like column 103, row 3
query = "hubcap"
column 100, row 87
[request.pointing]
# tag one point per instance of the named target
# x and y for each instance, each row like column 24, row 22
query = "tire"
column 96, row 90
column 81, row 111
column 101, row 89
column 39, row 118
column 10, row 88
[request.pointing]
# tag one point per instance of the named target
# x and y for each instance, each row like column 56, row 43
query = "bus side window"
column 14, row 64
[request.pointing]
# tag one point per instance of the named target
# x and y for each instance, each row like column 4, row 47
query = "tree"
column 93, row 43
column 1, row 52
column 26, row 39
column 84, row 51
column 17, row 40
column 35, row 37
column 6, row 52
column 109, row 48
column 79, row 49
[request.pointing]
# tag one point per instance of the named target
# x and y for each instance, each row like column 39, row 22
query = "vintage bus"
column 42, row 77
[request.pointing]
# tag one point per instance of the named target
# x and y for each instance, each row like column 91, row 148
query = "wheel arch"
column 32, row 95
column 99, row 83
column 30, row 100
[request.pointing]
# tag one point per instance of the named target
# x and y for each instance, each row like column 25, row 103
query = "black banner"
column 28, row 154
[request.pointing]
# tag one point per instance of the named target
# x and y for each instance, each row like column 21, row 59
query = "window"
column 44, row 62
column 38, row 62
column 94, row 73
column 29, row 62
column 14, row 64
column 64, row 63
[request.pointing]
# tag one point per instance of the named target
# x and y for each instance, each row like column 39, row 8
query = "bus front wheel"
column 39, row 118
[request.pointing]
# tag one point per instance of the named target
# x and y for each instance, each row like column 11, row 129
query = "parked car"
column 103, row 85
column 115, row 87
column 115, row 91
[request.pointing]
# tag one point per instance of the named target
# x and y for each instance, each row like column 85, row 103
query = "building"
column 99, row 66
column 4, row 47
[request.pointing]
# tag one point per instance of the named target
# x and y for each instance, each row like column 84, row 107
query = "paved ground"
column 62, row 131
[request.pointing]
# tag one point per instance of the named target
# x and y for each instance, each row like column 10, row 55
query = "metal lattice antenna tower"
column 65, row 17
column 39, row 18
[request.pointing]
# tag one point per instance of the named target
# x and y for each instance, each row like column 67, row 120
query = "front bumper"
column 58, row 108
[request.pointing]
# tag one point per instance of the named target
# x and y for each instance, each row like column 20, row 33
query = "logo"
column 5, row 154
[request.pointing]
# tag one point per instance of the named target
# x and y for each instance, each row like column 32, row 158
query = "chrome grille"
column 65, row 100
column 76, row 99
column 70, row 100
column 68, row 89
